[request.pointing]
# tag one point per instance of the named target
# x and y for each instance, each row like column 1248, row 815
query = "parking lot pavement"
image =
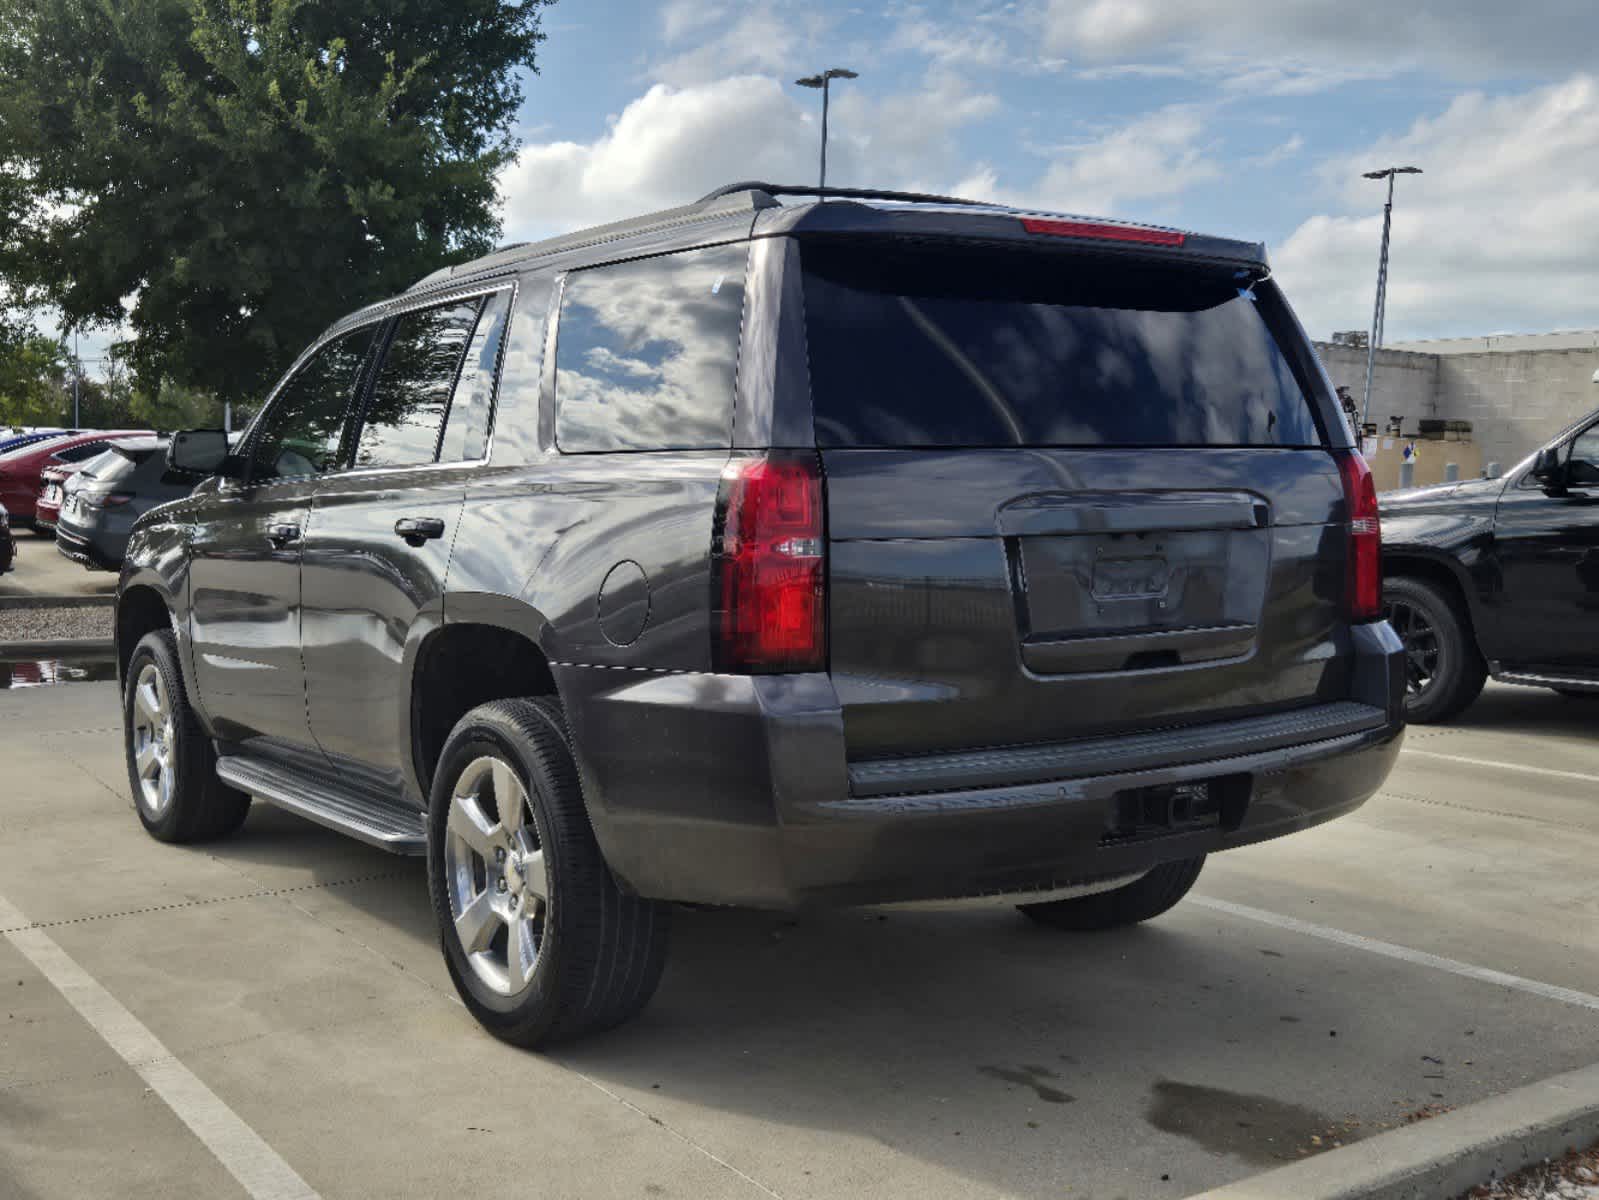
column 41, row 570
column 1313, row 990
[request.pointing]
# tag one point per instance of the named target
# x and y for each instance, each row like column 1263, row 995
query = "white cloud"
column 673, row 144
column 1501, row 233
column 1151, row 158
column 1483, row 36
column 758, row 40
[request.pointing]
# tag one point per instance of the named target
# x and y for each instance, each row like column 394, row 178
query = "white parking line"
column 1548, row 991
column 257, row 1167
column 1501, row 766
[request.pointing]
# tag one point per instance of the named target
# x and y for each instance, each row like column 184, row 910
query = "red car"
column 20, row 485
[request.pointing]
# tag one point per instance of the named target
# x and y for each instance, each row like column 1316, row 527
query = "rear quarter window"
column 646, row 353
column 995, row 348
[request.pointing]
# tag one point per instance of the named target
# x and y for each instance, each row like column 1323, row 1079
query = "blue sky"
column 1242, row 117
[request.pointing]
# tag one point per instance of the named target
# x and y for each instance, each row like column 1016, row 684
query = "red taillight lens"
column 770, row 567
column 109, row 500
column 1104, row 232
column 1363, row 583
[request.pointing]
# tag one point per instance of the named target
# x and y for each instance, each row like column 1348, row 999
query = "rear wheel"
column 540, row 941
column 172, row 766
column 1146, row 897
column 1444, row 672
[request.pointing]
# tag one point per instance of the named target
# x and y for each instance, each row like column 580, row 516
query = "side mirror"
column 200, row 452
column 1547, row 468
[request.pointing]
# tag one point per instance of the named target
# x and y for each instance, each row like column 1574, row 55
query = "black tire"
column 601, row 952
column 1444, row 670
column 198, row 806
column 1146, row 897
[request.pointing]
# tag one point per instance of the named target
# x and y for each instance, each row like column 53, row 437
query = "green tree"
column 247, row 170
column 32, row 368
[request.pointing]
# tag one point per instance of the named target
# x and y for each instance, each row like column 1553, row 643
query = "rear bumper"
column 736, row 790
column 85, row 551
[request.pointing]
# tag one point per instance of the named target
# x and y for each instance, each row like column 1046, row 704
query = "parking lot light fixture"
column 821, row 81
column 1380, row 313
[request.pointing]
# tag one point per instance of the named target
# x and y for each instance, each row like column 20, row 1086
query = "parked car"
column 20, row 485
column 1498, row 577
column 775, row 554
column 8, row 544
column 18, row 438
column 112, row 491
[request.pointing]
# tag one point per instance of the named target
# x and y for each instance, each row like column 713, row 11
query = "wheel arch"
column 489, row 648
column 1444, row 572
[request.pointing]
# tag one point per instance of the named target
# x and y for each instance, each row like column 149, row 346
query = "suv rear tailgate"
column 1067, row 499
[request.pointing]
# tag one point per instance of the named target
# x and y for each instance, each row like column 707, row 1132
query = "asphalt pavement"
column 278, row 1001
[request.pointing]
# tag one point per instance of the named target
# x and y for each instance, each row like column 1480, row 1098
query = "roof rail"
column 797, row 189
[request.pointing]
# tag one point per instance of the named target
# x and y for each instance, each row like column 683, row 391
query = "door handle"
column 283, row 534
column 416, row 530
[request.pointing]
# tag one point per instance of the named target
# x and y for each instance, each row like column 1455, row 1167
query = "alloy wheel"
column 154, row 741
column 496, row 877
column 1422, row 647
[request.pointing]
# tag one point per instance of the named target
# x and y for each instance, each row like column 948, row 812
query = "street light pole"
column 1379, row 313
column 821, row 81
column 77, row 373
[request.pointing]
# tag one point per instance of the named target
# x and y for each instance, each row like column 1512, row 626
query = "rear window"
column 933, row 349
column 107, row 464
column 646, row 353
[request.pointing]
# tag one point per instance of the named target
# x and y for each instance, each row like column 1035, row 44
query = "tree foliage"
column 247, row 170
column 32, row 368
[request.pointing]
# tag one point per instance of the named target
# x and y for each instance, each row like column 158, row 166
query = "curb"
column 57, row 648
column 1442, row 1158
column 31, row 600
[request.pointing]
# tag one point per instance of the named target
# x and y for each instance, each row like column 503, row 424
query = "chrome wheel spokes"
column 154, row 741
column 495, row 872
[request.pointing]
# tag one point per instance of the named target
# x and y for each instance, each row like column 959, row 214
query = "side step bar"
column 374, row 820
column 1545, row 680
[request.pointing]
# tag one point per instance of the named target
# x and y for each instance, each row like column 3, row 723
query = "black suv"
column 1499, row 576
column 866, row 548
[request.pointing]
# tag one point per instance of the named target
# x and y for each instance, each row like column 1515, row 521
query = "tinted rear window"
column 932, row 348
column 647, row 350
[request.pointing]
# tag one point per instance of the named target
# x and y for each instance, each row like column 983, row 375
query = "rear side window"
column 300, row 433
column 466, row 429
column 934, row 348
column 647, row 351
column 80, row 452
column 411, row 391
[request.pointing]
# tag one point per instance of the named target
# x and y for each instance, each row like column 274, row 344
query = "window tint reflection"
column 937, row 349
column 466, row 429
column 646, row 353
column 300, row 433
column 411, row 392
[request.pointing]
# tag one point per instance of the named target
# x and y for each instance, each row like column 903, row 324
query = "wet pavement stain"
column 19, row 673
column 1258, row 1129
column 1030, row 1077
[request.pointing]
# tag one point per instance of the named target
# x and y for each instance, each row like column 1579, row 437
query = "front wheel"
column 541, row 943
column 1144, row 898
column 172, row 766
column 1444, row 672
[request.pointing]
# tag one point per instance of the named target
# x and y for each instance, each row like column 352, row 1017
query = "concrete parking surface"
column 1313, row 990
column 41, row 570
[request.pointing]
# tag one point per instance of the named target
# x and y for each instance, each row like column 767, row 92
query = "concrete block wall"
column 1402, row 383
column 1515, row 400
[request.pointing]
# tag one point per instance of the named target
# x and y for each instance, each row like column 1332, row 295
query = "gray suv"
column 779, row 550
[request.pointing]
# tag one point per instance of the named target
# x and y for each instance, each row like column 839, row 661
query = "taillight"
column 1104, row 231
column 107, row 500
column 769, row 566
column 1363, row 581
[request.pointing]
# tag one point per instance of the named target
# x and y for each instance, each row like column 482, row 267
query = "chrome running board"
column 1544, row 680
column 377, row 821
